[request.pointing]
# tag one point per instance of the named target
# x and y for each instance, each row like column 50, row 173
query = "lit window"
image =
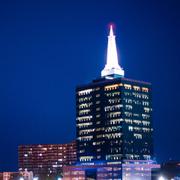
column 84, row 92
column 97, row 95
column 138, row 136
column 127, row 86
column 136, row 88
column 130, row 128
column 112, row 87
column 98, row 109
column 86, row 158
column 145, row 89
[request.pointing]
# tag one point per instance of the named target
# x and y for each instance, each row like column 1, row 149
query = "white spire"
column 112, row 67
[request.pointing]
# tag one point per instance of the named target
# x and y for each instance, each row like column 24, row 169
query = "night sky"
column 47, row 48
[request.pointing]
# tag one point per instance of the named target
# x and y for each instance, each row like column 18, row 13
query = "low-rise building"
column 129, row 170
column 46, row 160
column 22, row 175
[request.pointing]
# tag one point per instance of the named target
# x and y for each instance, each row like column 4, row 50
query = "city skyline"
column 40, row 80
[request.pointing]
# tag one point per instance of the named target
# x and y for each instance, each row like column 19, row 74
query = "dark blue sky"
column 49, row 47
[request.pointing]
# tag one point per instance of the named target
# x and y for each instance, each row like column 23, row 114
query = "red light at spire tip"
column 111, row 27
column 111, row 24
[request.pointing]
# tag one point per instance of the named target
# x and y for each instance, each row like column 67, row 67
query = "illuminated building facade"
column 91, row 172
column 24, row 175
column 130, row 170
column 113, row 116
column 47, row 159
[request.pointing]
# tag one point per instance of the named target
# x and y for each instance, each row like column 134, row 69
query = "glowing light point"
column 35, row 178
column 161, row 178
column 112, row 66
column 111, row 31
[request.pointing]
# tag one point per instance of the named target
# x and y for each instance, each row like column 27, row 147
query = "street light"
column 161, row 178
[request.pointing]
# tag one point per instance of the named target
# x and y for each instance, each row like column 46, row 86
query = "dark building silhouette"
column 168, row 170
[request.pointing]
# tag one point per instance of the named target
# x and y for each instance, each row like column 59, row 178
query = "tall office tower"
column 46, row 160
column 113, row 116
